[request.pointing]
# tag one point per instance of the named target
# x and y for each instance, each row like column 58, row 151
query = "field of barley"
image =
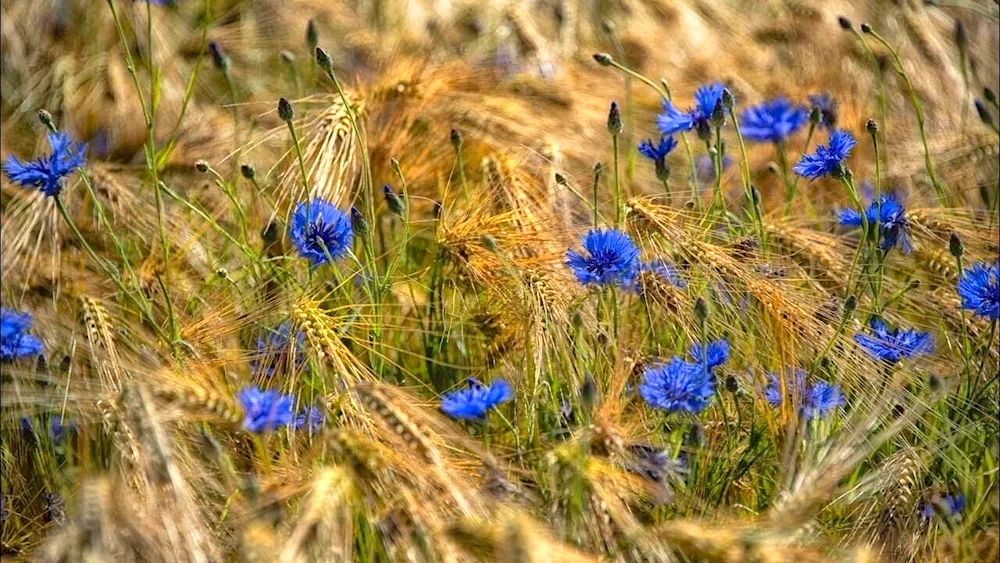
column 500, row 280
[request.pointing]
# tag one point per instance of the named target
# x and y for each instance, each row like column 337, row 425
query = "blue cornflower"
column 658, row 154
column 979, row 288
column 666, row 271
column 274, row 348
column 47, row 172
column 718, row 353
column 673, row 121
column 894, row 345
column 310, row 418
column 265, row 410
column 818, row 399
column 828, row 159
column 827, row 109
column 612, row 258
column 320, row 231
column 891, row 218
column 774, row 120
column 58, row 428
column 677, row 386
column 473, row 402
column 705, row 167
column 15, row 342
column 950, row 506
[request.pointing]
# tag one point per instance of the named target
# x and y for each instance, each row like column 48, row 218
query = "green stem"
column 618, row 186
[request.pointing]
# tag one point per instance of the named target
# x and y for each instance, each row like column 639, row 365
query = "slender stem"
column 298, row 155
column 597, row 182
column 756, row 213
column 618, row 186
column 919, row 111
column 848, row 182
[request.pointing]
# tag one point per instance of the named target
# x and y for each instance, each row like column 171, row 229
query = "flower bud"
column 456, row 138
column 323, row 60
column 845, row 23
column 45, row 118
column 312, row 34
column 358, row 223
column 248, row 171
column 989, row 95
column 727, row 99
column 718, row 114
column 285, row 110
column 219, row 57
column 866, row 28
column 614, row 120
column 850, row 304
column 561, row 179
column 955, row 245
column 732, row 385
column 815, row 115
column 872, row 126
column 201, row 166
column 603, row 59
column 700, row 310
column 984, row 113
column 393, row 200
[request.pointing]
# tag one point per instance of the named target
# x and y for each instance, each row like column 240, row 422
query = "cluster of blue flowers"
column 682, row 386
column 320, row 231
column 893, row 345
column 817, row 400
column 979, row 289
column 476, row 399
column 948, row 507
column 269, row 410
column 15, row 342
column 707, row 100
column 48, row 172
column 773, row 121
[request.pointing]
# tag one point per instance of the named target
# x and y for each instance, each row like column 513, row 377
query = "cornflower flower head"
column 273, row 349
column 979, row 288
column 705, row 167
column 827, row 107
column 15, row 342
column 265, row 410
column 948, row 507
column 58, row 428
column 658, row 154
column 666, row 271
column 817, row 400
column 476, row 399
column 677, row 386
column 47, row 172
column 611, row 258
column 311, row 418
column 772, row 121
column 828, row 159
column 891, row 218
column 320, row 231
column 673, row 121
column 893, row 345
column 717, row 353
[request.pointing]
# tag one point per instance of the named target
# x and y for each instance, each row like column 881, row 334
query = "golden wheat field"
column 500, row 280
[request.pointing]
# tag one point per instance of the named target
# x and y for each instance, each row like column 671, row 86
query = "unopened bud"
column 561, row 179
column 358, row 223
column 984, row 113
column 285, row 110
column 866, row 28
column 393, row 200
column 614, row 120
column 603, row 59
column 955, row 245
column 201, row 166
column 700, row 310
column 45, row 118
column 961, row 37
column 727, row 99
column 219, row 57
column 815, row 115
column 989, row 95
column 248, row 171
column 312, row 34
column 872, row 126
column 323, row 60
column 394, row 165
column 845, row 23
column 456, row 138
column 850, row 304
column 718, row 114
column 732, row 385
